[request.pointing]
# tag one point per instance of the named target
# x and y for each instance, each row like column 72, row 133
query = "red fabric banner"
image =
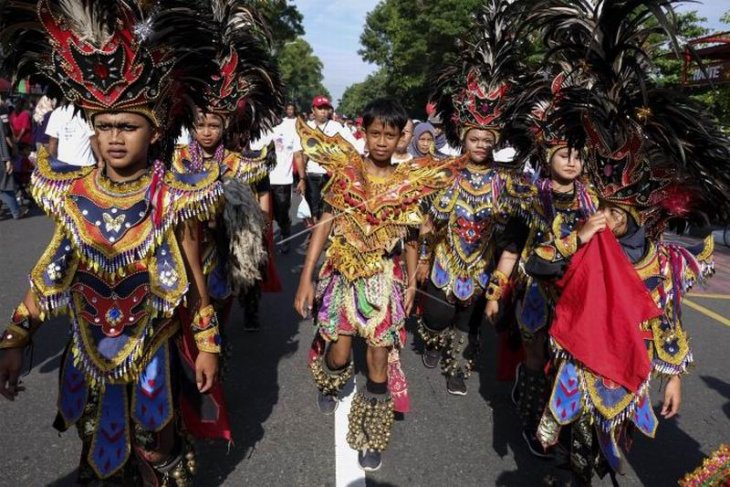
column 600, row 310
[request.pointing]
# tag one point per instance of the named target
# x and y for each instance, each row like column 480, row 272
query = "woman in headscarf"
column 422, row 144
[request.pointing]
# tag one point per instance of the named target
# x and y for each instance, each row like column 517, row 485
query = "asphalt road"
column 282, row 440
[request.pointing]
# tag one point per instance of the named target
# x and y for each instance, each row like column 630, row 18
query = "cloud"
column 333, row 29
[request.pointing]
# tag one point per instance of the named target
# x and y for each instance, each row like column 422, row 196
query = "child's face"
column 124, row 138
column 208, row 130
column 479, row 144
column 617, row 219
column 566, row 165
column 381, row 141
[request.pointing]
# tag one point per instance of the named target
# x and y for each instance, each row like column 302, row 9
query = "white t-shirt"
column 73, row 134
column 330, row 128
column 286, row 140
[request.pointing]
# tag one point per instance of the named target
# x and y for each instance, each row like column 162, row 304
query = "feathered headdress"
column 471, row 93
column 113, row 55
column 654, row 152
column 530, row 126
column 247, row 84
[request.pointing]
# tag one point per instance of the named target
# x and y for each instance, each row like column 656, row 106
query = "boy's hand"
column 491, row 311
column 410, row 298
column 301, row 186
column 304, row 299
column 206, row 370
column 11, row 363
column 596, row 223
column 672, row 397
column 422, row 272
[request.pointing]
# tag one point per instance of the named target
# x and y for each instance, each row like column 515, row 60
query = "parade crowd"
column 530, row 196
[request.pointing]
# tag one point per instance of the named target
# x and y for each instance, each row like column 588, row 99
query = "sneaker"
column 456, row 384
column 369, row 460
column 23, row 212
column 327, row 404
column 431, row 358
column 534, row 445
column 515, row 393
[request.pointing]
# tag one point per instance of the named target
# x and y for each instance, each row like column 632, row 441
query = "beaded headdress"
column 471, row 92
column 247, row 84
column 652, row 151
column 112, row 56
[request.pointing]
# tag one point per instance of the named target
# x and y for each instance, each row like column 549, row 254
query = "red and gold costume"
column 361, row 285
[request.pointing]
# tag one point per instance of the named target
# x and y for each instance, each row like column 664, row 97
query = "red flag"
column 599, row 313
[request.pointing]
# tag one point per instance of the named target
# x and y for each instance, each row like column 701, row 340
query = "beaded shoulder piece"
column 505, row 193
column 250, row 168
column 553, row 224
column 332, row 153
column 373, row 214
column 113, row 225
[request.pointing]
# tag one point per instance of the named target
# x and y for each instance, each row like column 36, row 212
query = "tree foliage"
column 411, row 40
column 357, row 95
column 717, row 98
column 301, row 72
column 284, row 20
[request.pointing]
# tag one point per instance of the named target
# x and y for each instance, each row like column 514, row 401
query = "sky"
column 333, row 28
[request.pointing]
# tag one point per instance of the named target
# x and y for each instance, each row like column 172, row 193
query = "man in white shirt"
column 316, row 174
column 288, row 154
column 71, row 138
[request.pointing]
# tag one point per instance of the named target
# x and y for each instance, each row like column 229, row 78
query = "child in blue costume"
column 125, row 253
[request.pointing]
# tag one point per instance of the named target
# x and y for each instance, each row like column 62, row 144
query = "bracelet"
column 424, row 247
column 20, row 330
column 498, row 283
column 208, row 340
column 205, row 330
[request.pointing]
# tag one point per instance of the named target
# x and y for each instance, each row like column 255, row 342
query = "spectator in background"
column 21, row 125
column 401, row 150
column 71, row 138
column 291, row 111
column 288, row 156
column 422, row 144
column 8, row 185
column 41, row 115
column 442, row 145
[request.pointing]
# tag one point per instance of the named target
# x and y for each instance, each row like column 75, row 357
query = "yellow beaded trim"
column 205, row 328
column 207, row 341
column 20, row 330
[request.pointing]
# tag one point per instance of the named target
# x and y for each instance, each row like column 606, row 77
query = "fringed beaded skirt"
column 372, row 307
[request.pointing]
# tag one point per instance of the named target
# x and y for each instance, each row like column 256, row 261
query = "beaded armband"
column 497, row 287
column 205, row 330
column 20, row 331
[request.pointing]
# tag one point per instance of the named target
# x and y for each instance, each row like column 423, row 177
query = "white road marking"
column 347, row 470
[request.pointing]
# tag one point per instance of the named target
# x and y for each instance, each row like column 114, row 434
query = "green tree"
column 357, row 95
column 670, row 68
column 411, row 40
column 284, row 20
column 301, row 72
column 717, row 98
